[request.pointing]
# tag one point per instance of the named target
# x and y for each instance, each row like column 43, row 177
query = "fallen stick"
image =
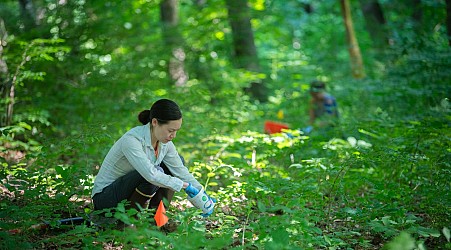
column 46, row 225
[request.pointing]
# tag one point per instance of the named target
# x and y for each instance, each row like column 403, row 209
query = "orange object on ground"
column 274, row 127
column 160, row 215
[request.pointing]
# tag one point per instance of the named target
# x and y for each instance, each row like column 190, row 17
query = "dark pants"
column 122, row 188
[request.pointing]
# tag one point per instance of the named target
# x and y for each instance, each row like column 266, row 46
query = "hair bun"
column 144, row 117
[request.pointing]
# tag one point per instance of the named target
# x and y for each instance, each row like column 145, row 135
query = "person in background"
column 143, row 166
column 323, row 110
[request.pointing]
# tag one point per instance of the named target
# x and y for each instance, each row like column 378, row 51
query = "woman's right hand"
column 191, row 190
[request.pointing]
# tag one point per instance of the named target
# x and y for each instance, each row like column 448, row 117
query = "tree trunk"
column 174, row 41
column 5, row 83
column 245, row 52
column 417, row 14
column 308, row 8
column 448, row 20
column 200, row 3
column 357, row 68
column 375, row 22
column 28, row 13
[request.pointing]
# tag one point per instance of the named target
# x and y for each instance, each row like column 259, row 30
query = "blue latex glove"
column 291, row 136
column 191, row 190
column 208, row 214
column 308, row 129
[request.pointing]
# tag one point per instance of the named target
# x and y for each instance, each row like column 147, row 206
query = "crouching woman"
column 143, row 166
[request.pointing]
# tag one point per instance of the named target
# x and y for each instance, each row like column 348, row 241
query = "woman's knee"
column 147, row 188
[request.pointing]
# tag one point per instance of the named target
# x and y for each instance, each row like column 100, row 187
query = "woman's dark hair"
column 317, row 86
column 164, row 110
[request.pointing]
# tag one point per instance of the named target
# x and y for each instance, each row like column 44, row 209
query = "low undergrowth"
column 387, row 185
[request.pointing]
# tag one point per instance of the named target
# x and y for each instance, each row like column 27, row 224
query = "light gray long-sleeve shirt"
column 134, row 151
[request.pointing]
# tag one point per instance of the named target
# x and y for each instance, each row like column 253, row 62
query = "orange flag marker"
column 160, row 215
